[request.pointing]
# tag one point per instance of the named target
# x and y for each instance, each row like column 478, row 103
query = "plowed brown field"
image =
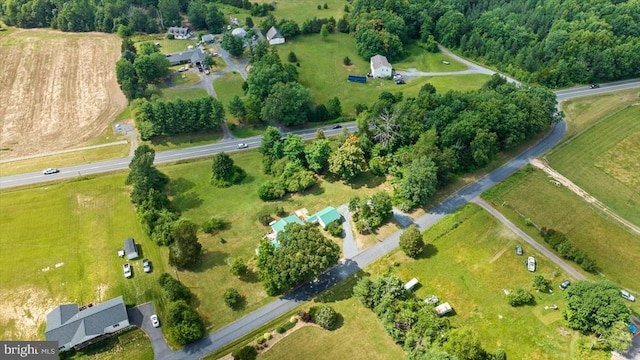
column 57, row 90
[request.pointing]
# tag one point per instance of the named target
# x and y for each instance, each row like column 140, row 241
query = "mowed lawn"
column 64, row 239
column 322, row 71
column 199, row 201
column 469, row 263
column 422, row 60
column 530, row 192
column 360, row 336
column 301, row 10
column 605, row 161
column 227, row 86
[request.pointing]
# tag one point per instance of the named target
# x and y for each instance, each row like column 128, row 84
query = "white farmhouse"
column 380, row 66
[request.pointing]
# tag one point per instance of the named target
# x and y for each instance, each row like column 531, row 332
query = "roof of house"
column 273, row 34
column 178, row 30
column 194, row 56
column 208, row 38
column 239, row 32
column 328, row 214
column 67, row 324
column 379, row 61
column 280, row 224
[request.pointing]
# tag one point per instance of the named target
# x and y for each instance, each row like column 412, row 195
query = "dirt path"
column 561, row 180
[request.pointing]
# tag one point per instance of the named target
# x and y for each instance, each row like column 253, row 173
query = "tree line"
column 155, row 118
column 136, row 70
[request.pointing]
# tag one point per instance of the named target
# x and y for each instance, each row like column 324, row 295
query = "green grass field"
column 166, row 46
column 605, row 161
column 168, row 94
column 425, row 61
column 133, row 344
column 323, row 72
column 248, row 131
column 64, row 239
column 530, row 192
column 184, row 79
column 466, row 264
column 301, row 10
column 227, row 86
column 371, row 342
column 162, row 143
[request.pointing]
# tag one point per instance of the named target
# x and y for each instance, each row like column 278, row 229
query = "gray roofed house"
column 208, row 38
column 274, row 37
column 72, row 326
column 195, row 56
column 380, row 66
column 131, row 249
column 179, row 32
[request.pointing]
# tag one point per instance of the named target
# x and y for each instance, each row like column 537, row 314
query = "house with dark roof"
column 325, row 216
column 380, row 66
column 131, row 249
column 179, row 33
column 195, row 57
column 208, row 38
column 72, row 326
column 274, row 37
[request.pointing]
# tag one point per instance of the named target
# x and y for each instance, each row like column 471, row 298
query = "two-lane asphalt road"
column 161, row 157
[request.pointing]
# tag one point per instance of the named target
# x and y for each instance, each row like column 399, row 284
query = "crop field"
column 322, row 71
column 59, row 90
column 604, row 160
column 532, row 194
column 64, row 240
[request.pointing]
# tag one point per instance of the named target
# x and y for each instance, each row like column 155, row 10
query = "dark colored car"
column 565, row 284
column 594, row 86
column 519, row 251
column 337, row 127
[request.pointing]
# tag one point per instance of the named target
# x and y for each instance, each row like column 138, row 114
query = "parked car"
column 50, row 171
column 633, row 329
column 400, row 82
column 519, row 251
column 127, row 270
column 531, row 264
column 336, row 127
column 146, row 265
column 183, row 69
column 625, row 294
column 594, row 86
column 565, row 284
column 242, row 146
column 154, row 321
column 207, row 72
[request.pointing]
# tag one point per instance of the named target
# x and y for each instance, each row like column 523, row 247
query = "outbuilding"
column 380, row 67
column 325, row 216
column 274, row 37
column 208, row 38
column 239, row 32
column 131, row 249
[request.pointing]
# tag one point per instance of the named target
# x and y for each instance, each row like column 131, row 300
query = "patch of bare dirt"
column 22, row 311
column 59, row 90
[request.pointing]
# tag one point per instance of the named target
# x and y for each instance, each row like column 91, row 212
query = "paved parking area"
column 139, row 316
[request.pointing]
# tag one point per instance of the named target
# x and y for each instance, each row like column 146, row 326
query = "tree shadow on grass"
column 247, row 180
column 339, row 322
column 342, row 291
column 211, row 259
column 367, row 180
column 429, row 251
column 187, row 200
column 179, row 185
column 250, row 277
column 316, row 189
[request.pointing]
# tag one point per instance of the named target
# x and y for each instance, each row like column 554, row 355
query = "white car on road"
column 242, row 146
column 50, row 171
column 154, row 321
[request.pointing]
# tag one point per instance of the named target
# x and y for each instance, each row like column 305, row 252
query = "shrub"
column 245, row 353
column 319, row 7
column 260, row 340
column 519, row 297
column 232, row 298
column 411, row 242
column 173, row 289
column 271, row 190
column 267, row 336
column 264, row 216
column 304, row 316
column 214, row 225
column 346, row 61
column 292, row 57
column 326, row 6
column 280, row 330
column 326, row 317
column 238, row 267
column 280, row 211
column 541, row 284
column 500, row 355
column 335, row 228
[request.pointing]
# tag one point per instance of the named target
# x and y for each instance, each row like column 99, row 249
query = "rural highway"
column 334, row 275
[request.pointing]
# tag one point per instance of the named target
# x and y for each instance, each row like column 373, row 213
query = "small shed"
column 380, row 66
column 443, row 309
column 325, row 216
column 131, row 249
column 274, row 37
column 411, row 284
column 208, row 38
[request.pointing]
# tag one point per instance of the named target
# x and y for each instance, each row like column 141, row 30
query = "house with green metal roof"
column 325, row 216
column 280, row 224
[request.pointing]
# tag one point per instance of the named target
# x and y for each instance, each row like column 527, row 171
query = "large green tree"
column 233, row 44
column 317, row 155
column 224, row 172
column 302, row 254
column 464, row 344
column 593, row 307
column 286, row 104
column 419, row 181
column 348, row 160
column 411, row 241
column 185, row 251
